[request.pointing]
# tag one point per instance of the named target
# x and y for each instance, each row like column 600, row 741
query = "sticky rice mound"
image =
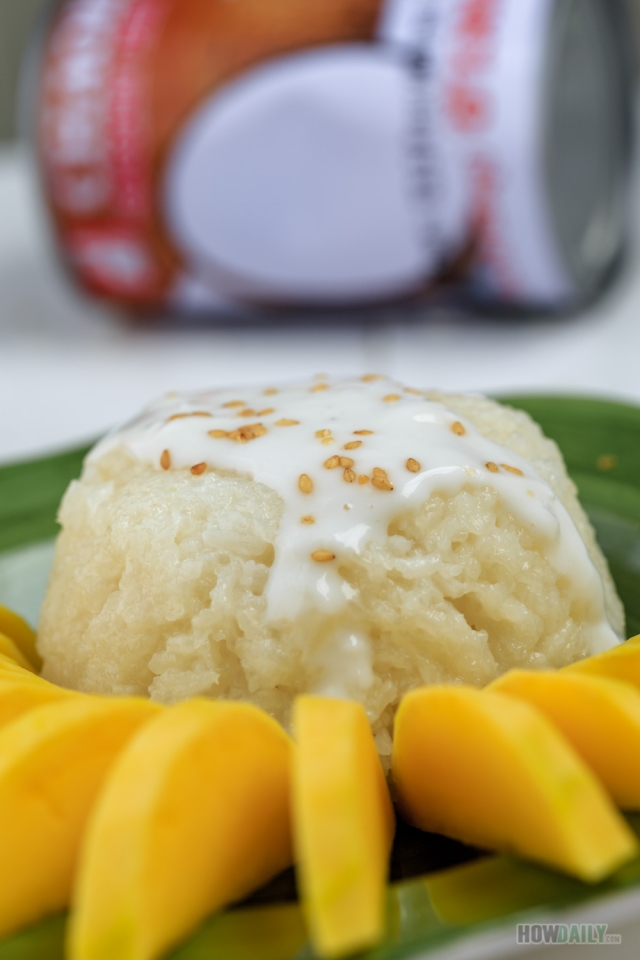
column 159, row 581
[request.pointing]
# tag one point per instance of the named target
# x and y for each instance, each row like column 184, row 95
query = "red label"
column 467, row 102
column 95, row 142
column 113, row 260
column 119, row 80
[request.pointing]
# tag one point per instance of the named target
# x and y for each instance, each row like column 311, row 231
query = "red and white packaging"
column 202, row 154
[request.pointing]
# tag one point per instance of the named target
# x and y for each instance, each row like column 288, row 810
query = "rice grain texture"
column 159, row 579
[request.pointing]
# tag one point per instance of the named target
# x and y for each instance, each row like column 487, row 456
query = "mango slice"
column 18, row 630
column 492, row 771
column 20, row 696
column 343, row 822
column 599, row 717
column 195, row 815
column 10, row 667
column 10, row 649
column 53, row 761
column 620, row 663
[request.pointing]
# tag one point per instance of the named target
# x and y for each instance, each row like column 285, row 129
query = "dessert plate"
column 444, row 899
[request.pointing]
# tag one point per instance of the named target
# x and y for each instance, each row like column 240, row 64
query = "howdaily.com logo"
column 587, row 934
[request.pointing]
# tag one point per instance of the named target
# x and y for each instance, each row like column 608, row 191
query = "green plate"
column 442, row 895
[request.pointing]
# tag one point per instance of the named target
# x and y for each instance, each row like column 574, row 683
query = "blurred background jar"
column 200, row 155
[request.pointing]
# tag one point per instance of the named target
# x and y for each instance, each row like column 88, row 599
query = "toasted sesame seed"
column 327, row 441
column 392, row 398
column 319, row 387
column 381, row 483
column 514, row 470
column 234, row 403
column 251, row 432
column 413, row 466
column 363, row 479
column 493, row 467
column 458, row 428
column 379, row 472
column 284, row 422
column 349, row 475
column 218, row 434
column 323, row 556
column 332, row 463
column 363, row 433
column 265, row 413
column 198, row 469
column 305, row 483
column 346, row 462
column 307, row 520
column 372, row 377
column 183, row 416
column 606, row 462
column 165, row 460
column 248, row 412
column 270, row 392
column 352, row 445
column 321, row 434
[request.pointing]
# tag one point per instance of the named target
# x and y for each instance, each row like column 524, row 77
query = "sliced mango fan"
column 163, row 815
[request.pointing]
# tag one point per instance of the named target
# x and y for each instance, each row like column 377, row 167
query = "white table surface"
column 70, row 369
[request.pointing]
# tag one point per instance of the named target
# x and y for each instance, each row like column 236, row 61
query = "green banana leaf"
column 441, row 893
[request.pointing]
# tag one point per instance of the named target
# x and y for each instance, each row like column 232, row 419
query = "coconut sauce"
column 346, row 458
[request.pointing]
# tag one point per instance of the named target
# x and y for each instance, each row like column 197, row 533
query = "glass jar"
column 246, row 157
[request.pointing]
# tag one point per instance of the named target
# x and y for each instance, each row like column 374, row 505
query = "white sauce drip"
column 348, row 515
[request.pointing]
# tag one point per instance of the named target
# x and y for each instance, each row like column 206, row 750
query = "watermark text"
column 582, row 933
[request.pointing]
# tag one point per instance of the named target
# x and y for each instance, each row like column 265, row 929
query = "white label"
column 489, row 63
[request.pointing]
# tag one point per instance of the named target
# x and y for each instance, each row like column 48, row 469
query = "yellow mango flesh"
column 195, row 815
column 10, row 670
column 53, row 761
column 10, row 649
column 18, row 630
column 492, row 771
column 343, row 823
column 598, row 716
column 620, row 663
column 19, row 696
